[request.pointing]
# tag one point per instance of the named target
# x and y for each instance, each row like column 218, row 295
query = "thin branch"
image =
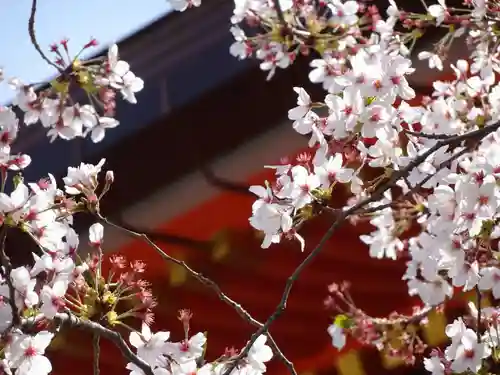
column 73, row 321
column 209, row 283
column 197, row 275
column 289, row 365
column 31, row 31
column 279, row 12
column 424, row 4
column 426, row 135
column 412, row 319
column 413, row 189
column 479, row 134
column 442, row 165
column 97, row 351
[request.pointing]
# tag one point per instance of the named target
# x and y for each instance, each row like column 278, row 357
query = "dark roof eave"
column 207, row 128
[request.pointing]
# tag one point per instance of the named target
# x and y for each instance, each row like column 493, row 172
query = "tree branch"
column 209, row 283
column 31, row 31
column 425, row 135
column 94, row 328
column 412, row 319
column 198, row 276
column 274, row 346
column 413, row 189
column 478, row 298
column 279, row 12
column 97, row 351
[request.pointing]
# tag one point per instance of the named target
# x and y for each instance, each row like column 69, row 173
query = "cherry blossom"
column 438, row 11
column 469, row 354
column 96, row 234
column 24, row 287
column 433, row 59
column 188, row 350
column 303, row 105
column 434, row 365
column 337, row 335
column 259, row 354
column 83, row 177
column 52, row 299
column 344, row 13
column 490, row 280
column 150, row 346
column 26, row 354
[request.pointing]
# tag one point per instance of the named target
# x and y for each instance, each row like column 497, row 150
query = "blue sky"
column 106, row 20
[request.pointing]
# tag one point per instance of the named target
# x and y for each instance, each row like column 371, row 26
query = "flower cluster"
column 424, row 173
column 58, row 280
column 109, row 291
column 187, row 356
column 56, row 108
column 466, row 351
column 58, row 286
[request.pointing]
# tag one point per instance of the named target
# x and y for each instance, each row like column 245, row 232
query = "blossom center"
column 483, row 200
column 469, row 354
column 30, row 351
column 377, row 84
column 184, row 346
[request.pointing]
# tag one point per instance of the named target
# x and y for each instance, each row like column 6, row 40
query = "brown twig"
column 412, row 319
column 480, row 133
column 202, row 279
column 31, row 31
column 211, row 284
column 412, row 189
column 73, row 321
column 426, row 135
column 277, row 351
column 279, row 12
column 97, row 351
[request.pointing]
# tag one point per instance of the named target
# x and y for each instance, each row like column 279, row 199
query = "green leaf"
column 343, row 321
column 17, row 180
column 369, row 100
column 60, row 86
